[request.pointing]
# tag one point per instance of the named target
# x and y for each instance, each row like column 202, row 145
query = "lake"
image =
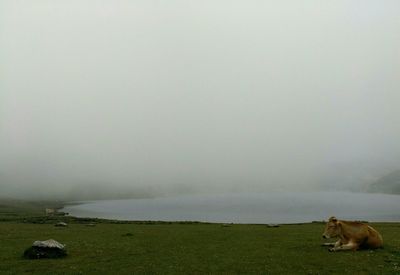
column 274, row 207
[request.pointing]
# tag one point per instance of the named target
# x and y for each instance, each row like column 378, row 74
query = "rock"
column 61, row 224
column 90, row 224
column 48, row 243
column 45, row 249
column 273, row 225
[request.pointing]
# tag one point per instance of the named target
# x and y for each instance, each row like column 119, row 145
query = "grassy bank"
column 162, row 248
column 18, row 210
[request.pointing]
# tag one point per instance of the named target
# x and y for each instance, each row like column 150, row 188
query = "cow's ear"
column 333, row 219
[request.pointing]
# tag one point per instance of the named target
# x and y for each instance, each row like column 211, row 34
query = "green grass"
column 162, row 248
column 15, row 210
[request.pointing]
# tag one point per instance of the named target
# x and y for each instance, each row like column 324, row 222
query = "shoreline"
column 33, row 212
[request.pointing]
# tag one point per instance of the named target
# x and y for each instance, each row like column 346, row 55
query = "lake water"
column 276, row 207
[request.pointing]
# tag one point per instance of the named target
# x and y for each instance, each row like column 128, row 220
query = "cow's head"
column 332, row 228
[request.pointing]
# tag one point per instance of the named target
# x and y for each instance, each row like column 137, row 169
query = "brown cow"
column 352, row 235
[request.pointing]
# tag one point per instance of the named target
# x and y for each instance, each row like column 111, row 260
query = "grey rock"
column 273, row 225
column 61, row 224
column 45, row 249
column 48, row 243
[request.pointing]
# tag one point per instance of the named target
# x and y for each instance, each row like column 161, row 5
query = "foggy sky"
column 189, row 96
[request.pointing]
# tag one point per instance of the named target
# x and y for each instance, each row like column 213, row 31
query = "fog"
column 110, row 99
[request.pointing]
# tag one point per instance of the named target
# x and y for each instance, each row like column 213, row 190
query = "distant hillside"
column 389, row 184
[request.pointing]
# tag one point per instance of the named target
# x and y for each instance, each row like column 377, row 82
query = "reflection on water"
column 277, row 207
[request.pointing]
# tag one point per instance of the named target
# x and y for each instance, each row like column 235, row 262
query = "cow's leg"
column 348, row 246
column 335, row 244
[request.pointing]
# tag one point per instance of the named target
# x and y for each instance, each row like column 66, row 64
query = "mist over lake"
column 276, row 207
column 126, row 99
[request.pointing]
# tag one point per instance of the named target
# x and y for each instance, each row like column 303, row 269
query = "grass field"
column 162, row 248
column 18, row 210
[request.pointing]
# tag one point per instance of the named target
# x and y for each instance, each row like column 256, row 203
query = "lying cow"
column 352, row 235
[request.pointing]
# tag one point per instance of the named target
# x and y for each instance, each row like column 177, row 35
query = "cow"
column 352, row 235
column 50, row 211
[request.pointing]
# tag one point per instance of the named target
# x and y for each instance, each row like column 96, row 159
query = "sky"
column 140, row 98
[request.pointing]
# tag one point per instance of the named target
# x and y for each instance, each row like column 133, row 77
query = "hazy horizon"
column 145, row 98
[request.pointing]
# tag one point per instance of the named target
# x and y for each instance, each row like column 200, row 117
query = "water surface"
column 276, row 207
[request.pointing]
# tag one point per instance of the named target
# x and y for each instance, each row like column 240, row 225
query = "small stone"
column 273, row 225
